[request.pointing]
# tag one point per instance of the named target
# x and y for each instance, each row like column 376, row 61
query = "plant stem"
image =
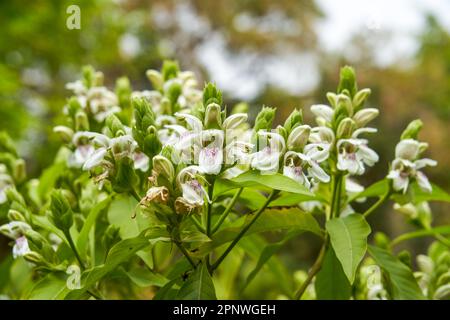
column 135, row 195
column 185, row 253
column 74, row 249
column 209, row 213
column 378, row 203
column 313, row 271
column 244, row 230
column 335, row 195
column 227, row 210
column 198, row 224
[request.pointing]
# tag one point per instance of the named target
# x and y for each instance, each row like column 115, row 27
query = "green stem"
column 227, row 210
column 197, row 224
column 313, row 271
column 378, row 203
column 136, row 195
column 244, row 230
column 74, row 249
column 209, row 212
column 335, row 191
column 185, row 253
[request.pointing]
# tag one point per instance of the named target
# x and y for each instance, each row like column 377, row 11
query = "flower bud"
column 125, row 176
column 412, row 130
column 347, row 81
column 381, row 240
column 7, row 144
column 34, row 257
column 298, row 137
column 164, row 167
column 81, row 121
column 88, row 76
column 65, row 133
column 332, row 98
column 213, row 119
column 170, row 70
column 13, row 195
column 364, row 116
column 123, row 91
column 152, row 145
column 115, row 126
column 19, row 171
column 173, row 92
column 360, row 98
column 241, row 107
column 345, row 128
column 155, row 78
column 264, row 119
column 73, row 106
column 294, row 119
column 211, row 95
column 14, row 215
column 234, row 121
column 60, row 214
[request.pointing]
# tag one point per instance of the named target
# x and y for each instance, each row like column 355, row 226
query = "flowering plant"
column 162, row 193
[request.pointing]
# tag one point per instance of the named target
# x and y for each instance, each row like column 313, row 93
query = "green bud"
column 35, row 258
column 241, row 107
column 298, row 138
column 115, row 126
column 294, row 119
column 81, row 121
column 19, row 171
column 213, row 119
column 60, row 214
column 345, row 128
column 164, row 167
column 211, row 95
column 7, row 144
column 347, row 81
column 14, row 215
column 14, row 196
column 360, row 98
column 73, row 106
column 170, row 69
column 345, row 102
column 412, row 130
column 381, row 240
column 89, row 77
column 282, row 131
column 123, row 92
column 333, row 99
column 152, row 145
column 264, row 119
column 364, row 116
column 65, row 133
column 156, row 79
column 340, row 113
column 173, row 92
column 166, row 106
column 143, row 114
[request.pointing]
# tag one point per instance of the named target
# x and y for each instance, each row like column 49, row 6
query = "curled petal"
column 423, row 182
column 234, row 121
column 363, row 130
column 369, row 156
column 407, row 149
column 95, row 159
column 194, row 122
column 323, row 111
column 318, row 173
column 421, row 163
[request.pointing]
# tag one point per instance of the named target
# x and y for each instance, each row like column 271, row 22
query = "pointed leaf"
column 198, row 286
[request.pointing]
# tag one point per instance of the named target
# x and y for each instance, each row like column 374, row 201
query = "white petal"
column 210, row 160
column 234, row 121
column 421, row 163
column 95, row 159
column 423, row 182
column 369, row 156
column 317, row 151
column 363, row 130
column 318, row 173
column 20, row 247
column 407, row 149
column 141, row 161
column 323, row 111
column 194, row 122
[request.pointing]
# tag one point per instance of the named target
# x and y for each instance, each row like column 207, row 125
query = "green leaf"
column 266, row 254
column 121, row 252
column 120, row 214
column 90, row 220
column 275, row 181
column 401, row 278
column 198, row 286
column 349, row 240
column 145, row 278
column 331, row 282
column 50, row 287
column 270, row 220
column 293, row 199
column 437, row 194
column 377, row 189
column 49, row 177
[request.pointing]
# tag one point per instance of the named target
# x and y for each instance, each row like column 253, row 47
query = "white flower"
column 211, row 156
column 234, row 121
column 354, row 153
column 267, row 160
column 296, row 164
column 322, row 111
column 14, row 229
column 102, row 103
column 406, row 166
column 21, row 247
column 193, row 191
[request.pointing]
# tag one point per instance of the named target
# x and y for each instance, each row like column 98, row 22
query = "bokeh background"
column 284, row 53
